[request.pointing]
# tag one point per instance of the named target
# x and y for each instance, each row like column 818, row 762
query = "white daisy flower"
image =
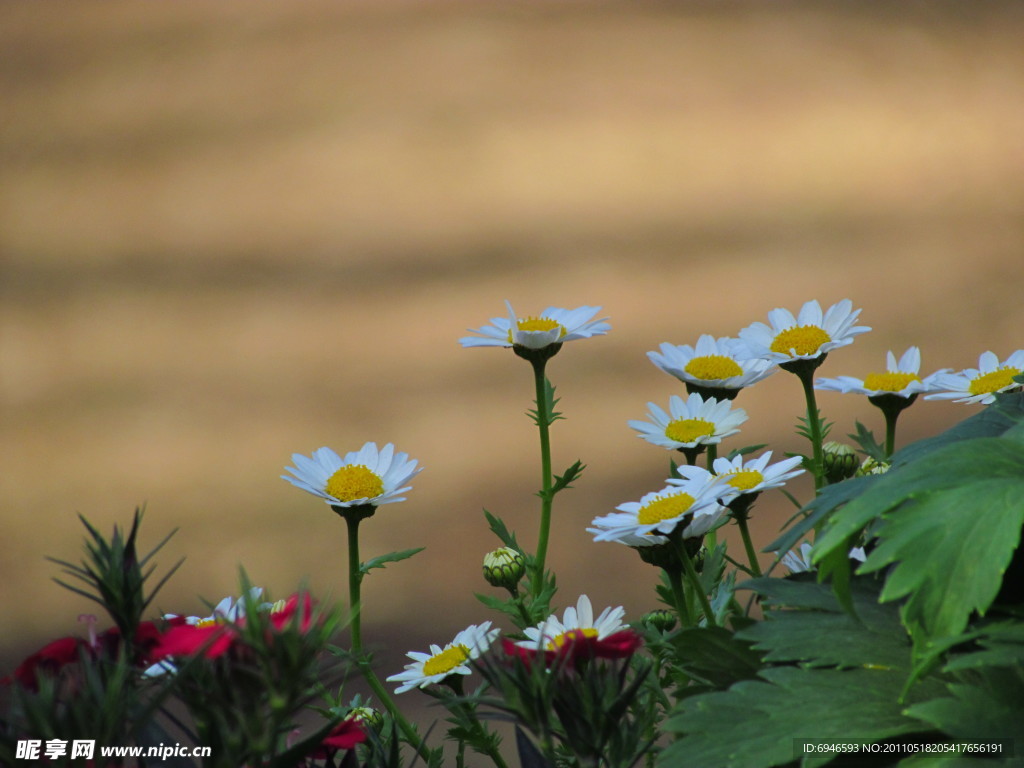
column 981, row 384
column 553, row 326
column 227, row 610
column 807, row 336
column 364, row 477
column 755, row 476
column 721, row 363
column 453, row 659
column 552, row 633
column 691, row 422
column 900, row 378
column 801, row 562
column 694, row 499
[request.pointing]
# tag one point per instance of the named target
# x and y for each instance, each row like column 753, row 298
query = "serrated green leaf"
column 960, row 464
column 391, row 557
column 950, row 549
column 865, row 440
column 991, row 708
column 788, row 703
column 821, row 633
column 564, row 480
column 500, row 530
column 1005, row 414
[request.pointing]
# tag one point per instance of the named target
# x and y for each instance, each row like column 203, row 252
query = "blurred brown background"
column 235, row 231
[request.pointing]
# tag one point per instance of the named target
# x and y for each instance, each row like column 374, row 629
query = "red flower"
column 51, row 658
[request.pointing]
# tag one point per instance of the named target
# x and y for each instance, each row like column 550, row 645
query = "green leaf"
column 500, row 530
column 714, row 657
column 865, row 439
column 828, row 501
column 788, row 703
column 822, row 633
column 563, row 481
column 1006, row 413
column 951, row 547
column 391, row 557
column 990, row 708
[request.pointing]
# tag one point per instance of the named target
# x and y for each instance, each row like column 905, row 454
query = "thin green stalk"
column 890, row 432
column 675, row 578
column 748, row 544
column 543, row 416
column 712, row 455
column 691, row 574
column 455, row 683
column 806, row 376
column 355, row 578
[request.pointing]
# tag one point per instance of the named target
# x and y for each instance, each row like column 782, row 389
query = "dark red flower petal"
column 188, row 639
column 49, row 659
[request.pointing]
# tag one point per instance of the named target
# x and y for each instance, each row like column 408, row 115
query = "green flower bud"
column 661, row 620
column 872, row 467
column 504, row 568
column 840, row 461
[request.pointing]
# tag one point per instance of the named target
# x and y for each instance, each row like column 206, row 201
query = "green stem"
column 755, row 567
column 455, row 683
column 675, row 578
column 543, row 422
column 691, row 574
column 806, row 376
column 712, row 455
column 890, row 432
column 355, row 579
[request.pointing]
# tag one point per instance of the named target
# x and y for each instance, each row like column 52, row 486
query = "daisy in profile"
column 367, row 477
column 717, row 368
column 892, row 390
column 454, row 659
column 981, row 384
column 693, row 423
column 693, row 502
column 578, row 634
column 901, row 379
column 810, row 335
column 552, row 327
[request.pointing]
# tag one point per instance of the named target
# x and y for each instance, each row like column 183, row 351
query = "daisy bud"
column 661, row 620
column 872, row 467
column 840, row 461
column 504, row 568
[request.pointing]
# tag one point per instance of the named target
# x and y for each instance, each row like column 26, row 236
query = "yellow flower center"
column 207, row 622
column 688, row 430
column 664, row 508
column 712, row 367
column 745, row 479
column 354, row 481
column 803, row 339
column 445, row 661
column 889, row 382
column 993, row 381
column 538, row 324
column 570, row 635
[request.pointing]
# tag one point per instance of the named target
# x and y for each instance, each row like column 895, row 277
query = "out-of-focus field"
column 235, row 231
